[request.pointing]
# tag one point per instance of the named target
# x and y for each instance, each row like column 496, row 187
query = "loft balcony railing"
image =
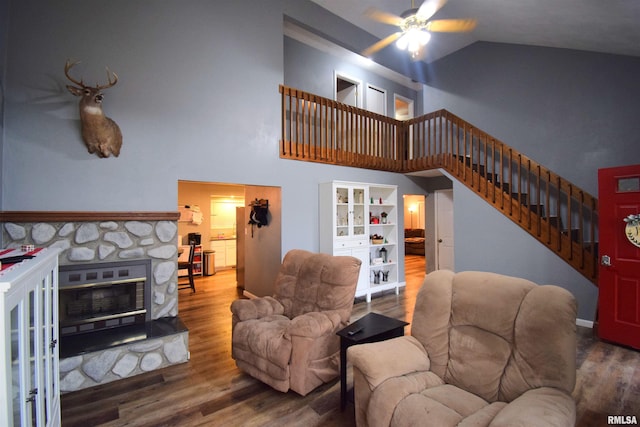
column 551, row 209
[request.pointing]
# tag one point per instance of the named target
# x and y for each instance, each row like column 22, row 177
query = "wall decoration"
column 101, row 135
column 632, row 229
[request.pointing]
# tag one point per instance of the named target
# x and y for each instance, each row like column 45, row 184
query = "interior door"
column 444, row 230
column 376, row 100
column 619, row 250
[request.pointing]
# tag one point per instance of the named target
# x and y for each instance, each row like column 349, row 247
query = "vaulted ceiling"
column 606, row 26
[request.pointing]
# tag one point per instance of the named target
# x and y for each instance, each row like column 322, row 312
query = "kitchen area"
column 209, row 217
column 221, row 217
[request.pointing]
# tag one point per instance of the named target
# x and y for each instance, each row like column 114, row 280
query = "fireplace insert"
column 101, row 296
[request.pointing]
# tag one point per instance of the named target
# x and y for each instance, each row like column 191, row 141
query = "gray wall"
column 197, row 100
column 313, row 71
column 573, row 112
column 4, row 32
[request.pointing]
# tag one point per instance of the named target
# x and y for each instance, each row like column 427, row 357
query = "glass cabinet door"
column 358, row 212
column 342, row 212
column 350, row 212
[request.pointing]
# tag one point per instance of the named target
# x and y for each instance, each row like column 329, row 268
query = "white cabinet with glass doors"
column 29, row 361
column 360, row 220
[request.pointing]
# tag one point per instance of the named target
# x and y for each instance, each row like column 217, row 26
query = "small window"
column 626, row 185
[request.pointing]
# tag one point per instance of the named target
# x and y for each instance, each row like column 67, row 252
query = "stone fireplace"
column 135, row 327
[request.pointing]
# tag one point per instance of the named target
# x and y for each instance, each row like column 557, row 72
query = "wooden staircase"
column 552, row 210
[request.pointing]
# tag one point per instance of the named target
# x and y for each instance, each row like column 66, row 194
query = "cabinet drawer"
column 350, row 244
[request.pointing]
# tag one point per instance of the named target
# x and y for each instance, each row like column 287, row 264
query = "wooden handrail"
column 556, row 212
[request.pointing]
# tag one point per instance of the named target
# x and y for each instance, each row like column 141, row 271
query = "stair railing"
column 556, row 212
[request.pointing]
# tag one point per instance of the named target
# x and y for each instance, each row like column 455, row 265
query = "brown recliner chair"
column 484, row 350
column 289, row 340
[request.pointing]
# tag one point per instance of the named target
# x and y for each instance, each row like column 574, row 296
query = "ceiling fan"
column 415, row 27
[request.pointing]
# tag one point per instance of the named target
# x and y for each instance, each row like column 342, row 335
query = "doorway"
column 235, row 246
column 403, row 110
column 403, row 107
column 348, row 90
column 414, row 232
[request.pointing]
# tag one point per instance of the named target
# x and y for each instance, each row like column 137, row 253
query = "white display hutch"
column 351, row 213
column 29, row 362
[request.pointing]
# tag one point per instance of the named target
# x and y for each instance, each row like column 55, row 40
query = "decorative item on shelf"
column 259, row 213
column 383, row 254
column 377, row 239
column 380, row 200
column 376, row 276
column 384, row 217
column 385, row 276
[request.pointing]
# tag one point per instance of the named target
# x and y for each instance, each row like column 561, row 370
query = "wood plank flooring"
column 210, row 391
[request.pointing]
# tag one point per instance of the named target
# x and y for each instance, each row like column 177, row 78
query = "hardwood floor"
column 210, row 391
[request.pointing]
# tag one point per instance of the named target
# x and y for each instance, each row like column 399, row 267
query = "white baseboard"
column 584, row 323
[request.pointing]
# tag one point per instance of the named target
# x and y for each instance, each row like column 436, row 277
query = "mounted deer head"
column 100, row 134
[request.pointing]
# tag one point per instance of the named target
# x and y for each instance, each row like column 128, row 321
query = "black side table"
column 372, row 327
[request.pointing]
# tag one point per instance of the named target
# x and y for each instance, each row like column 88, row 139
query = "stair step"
column 493, row 177
column 524, row 198
column 534, row 209
column 575, row 234
column 556, row 222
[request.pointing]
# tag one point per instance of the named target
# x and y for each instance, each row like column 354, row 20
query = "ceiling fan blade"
column 429, row 8
column 381, row 44
column 384, row 17
column 451, row 25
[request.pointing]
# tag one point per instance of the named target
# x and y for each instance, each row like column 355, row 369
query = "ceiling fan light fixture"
column 403, row 42
column 413, row 39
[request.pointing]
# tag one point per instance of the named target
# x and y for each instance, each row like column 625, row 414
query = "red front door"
column 619, row 250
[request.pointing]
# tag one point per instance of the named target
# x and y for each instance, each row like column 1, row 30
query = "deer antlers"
column 69, row 65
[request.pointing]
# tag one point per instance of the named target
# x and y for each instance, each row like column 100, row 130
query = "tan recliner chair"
column 289, row 340
column 484, row 350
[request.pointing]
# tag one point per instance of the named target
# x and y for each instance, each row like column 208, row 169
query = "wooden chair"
column 188, row 265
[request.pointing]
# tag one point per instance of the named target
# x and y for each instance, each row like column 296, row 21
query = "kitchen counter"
column 225, row 251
